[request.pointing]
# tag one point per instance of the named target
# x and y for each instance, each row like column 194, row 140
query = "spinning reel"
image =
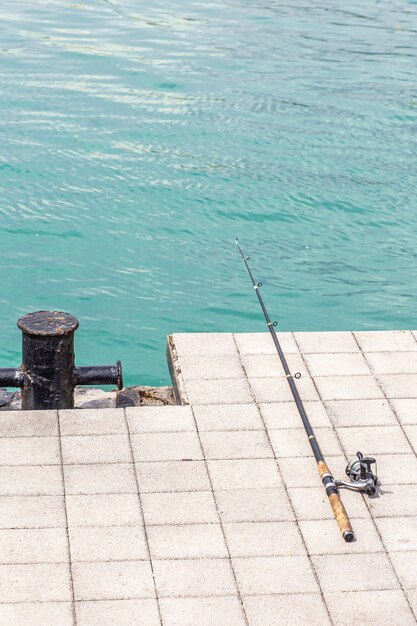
column 362, row 478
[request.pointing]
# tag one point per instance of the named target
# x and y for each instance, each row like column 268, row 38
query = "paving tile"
column 302, row 471
column 263, row 539
column 225, row 391
column 396, row 470
column 313, row 342
column 32, row 512
column 211, row 367
column 323, row 537
column 348, row 388
column 28, row 423
column 30, row 545
column 337, row 364
column 394, row 501
column 412, row 598
column 368, row 609
column 360, row 413
column 392, row 362
column 340, row 572
column 45, row 613
column 275, row 574
column 286, row 610
column 399, row 385
column 202, row 611
column 411, row 432
column 236, row 445
column 228, row 417
column 205, row 344
column 245, row 473
column 194, row 541
column 254, row 505
column 179, row 508
column 312, row 503
column 193, row 578
column 278, row 390
column 160, row 419
column 36, row 480
column 40, row 582
column 261, row 343
column 117, row 612
column 405, row 565
column 406, row 410
column 103, row 510
column 86, row 479
column 92, row 421
column 286, row 415
column 294, row 442
column 96, row 449
column 112, row 580
column 386, row 341
column 173, row 476
column 29, row 451
column 166, row 447
column 398, row 533
column 375, row 440
column 269, row 365
column 109, row 543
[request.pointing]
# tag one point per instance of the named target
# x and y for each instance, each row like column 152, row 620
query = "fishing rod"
column 358, row 471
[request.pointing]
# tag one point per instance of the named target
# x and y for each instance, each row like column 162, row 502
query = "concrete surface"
column 211, row 513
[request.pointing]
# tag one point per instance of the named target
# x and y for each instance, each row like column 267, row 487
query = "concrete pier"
column 211, row 513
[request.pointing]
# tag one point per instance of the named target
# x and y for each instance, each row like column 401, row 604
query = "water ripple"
column 139, row 139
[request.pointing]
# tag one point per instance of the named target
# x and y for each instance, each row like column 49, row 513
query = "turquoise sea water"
column 137, row 139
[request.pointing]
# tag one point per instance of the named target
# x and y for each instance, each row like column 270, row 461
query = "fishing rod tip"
column 236, row 240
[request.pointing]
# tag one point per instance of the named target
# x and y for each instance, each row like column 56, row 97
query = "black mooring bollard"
column 48, row 374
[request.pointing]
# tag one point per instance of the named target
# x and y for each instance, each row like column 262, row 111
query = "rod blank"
column 324, row 472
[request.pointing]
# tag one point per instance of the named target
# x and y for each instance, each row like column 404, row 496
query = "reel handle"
column 365, row 463
column 361, row 477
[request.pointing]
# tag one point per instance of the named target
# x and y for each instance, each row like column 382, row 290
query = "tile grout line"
column 132, row 493
column 282, row 376
column 392, row 408
column 333, row 428
column 255, row 595
column 142, row 515
column 286, row 492
column 272, row 379
column 74, row 614
column 193, row 558
column 17, row 528
column 104, row 463
column 372, row 517
column 229, row 558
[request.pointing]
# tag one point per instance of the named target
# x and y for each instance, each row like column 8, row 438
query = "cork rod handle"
column 337, row 505
column 341, row 517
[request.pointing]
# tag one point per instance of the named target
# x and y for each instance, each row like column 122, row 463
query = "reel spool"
column 361, row 476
